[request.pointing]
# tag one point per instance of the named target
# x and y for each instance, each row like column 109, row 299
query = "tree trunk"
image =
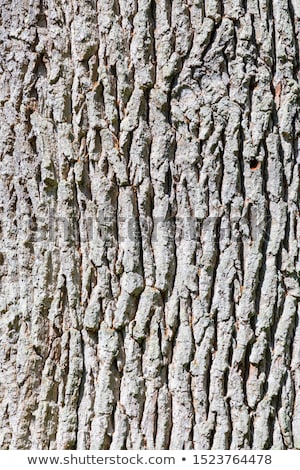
column 149, row 224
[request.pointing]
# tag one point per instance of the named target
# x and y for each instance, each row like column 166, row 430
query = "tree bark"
column 150, row 227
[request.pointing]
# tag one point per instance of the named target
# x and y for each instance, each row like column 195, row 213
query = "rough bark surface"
column 150, row 226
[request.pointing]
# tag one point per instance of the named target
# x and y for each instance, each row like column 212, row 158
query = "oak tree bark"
column 150, row 227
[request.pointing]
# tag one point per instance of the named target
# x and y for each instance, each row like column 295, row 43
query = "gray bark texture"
column 150, row 227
